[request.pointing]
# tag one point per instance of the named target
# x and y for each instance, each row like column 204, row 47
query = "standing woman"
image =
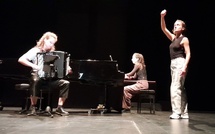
column 180, row 57
column 137, row 73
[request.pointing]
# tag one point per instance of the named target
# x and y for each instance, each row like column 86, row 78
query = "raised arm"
column 169, row 35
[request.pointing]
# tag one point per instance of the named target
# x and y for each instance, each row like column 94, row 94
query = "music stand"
column 48, row 66
column 50, row 72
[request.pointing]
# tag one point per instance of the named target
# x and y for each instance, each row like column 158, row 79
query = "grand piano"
column 93, row 82
column 104, row 80
column 11, row 73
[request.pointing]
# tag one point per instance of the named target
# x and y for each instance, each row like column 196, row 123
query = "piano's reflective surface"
column 11, row 69
column 96, row 72
column 92, row 82
column 103, row 74
column 11, row 73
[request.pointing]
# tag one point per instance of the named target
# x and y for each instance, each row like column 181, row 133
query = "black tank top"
column 141, row 74
column 176, row 50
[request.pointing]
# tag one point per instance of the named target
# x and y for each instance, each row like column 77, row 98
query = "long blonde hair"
column 140, row 58
column 47, row 35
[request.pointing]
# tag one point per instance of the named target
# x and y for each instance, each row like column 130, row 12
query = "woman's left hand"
column 183, row 72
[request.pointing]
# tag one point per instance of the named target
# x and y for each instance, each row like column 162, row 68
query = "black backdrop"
column 95, row 29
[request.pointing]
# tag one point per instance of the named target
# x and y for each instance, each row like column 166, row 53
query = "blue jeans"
column 177, row 90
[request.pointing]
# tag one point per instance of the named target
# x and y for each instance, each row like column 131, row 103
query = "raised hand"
column 163, row 12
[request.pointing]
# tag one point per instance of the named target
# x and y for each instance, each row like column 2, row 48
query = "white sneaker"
column 185, row 116
column 174, row 116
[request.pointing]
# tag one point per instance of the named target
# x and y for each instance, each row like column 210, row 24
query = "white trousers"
column 177, row 90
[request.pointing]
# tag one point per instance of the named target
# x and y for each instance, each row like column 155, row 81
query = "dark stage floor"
column 81, row 122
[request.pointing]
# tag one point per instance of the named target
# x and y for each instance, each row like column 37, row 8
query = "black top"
column 176, row 49
column 140, row 73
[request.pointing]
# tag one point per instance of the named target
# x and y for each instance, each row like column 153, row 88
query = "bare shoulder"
column 185, row 39
column 137, row 65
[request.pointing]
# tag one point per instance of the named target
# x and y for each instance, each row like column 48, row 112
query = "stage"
column 80, row 121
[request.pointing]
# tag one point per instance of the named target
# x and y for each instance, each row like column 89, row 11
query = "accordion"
column 56, row 64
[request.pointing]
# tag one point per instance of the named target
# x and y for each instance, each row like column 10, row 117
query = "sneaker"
column 33, row 112
column 126, row 110
column 185, row 116
column 174, row 116
column 61, row 111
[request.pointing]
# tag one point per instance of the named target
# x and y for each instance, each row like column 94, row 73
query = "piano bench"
column 24, row 86
column 146, row 94
column 21, row 87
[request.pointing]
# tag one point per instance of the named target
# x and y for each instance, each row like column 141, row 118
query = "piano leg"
column 101, row 108
column 1, row 107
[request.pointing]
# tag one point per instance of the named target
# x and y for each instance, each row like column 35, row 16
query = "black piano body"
column 11, row 73
column 101, row 81
column 93, row 82
column 11, row 69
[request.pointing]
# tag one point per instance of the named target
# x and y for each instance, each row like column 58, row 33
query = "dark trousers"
column 53, row 84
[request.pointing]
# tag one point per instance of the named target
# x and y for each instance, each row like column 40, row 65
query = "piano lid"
column 10, row 68
column 98, row 71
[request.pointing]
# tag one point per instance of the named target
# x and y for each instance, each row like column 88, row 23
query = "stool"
column 26, row 86
column 146, row 94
